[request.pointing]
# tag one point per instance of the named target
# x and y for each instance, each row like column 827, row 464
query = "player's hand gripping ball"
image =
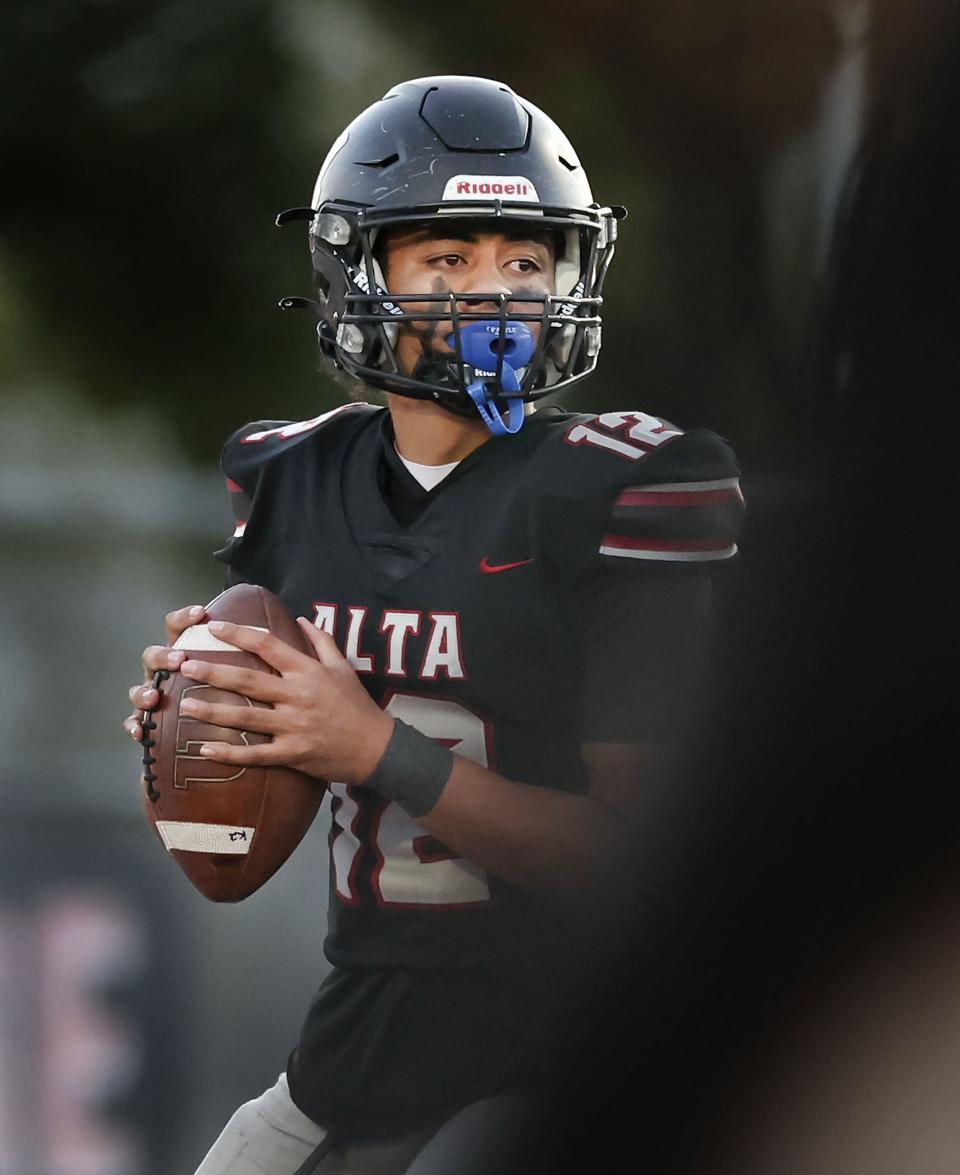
column 229, row 828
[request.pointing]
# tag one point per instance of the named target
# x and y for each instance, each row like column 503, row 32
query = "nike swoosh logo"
column 493, row 568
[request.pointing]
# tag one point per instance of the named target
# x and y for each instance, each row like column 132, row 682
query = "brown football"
column 228, row 828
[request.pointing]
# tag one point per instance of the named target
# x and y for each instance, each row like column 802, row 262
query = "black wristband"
column 412, row 771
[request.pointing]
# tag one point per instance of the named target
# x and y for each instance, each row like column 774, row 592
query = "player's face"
column 465, row 264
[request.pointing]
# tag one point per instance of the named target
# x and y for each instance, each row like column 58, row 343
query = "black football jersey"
column 548, row 593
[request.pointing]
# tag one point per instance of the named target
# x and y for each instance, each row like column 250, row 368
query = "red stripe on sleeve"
column 640, row 497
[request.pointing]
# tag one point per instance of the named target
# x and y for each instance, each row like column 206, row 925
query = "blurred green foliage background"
column 148, row 144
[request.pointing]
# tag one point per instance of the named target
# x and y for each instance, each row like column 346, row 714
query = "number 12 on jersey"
column 622, row 428
column 409, row 868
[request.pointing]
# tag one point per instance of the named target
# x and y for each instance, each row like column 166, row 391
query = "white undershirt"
column 428, row 476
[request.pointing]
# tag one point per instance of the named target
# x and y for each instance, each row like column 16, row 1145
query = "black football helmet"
column 465, row 148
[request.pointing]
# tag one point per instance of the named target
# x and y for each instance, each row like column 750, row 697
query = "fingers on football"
column 181, row 619
column 264, row 755
column 251, row 683
column 143, row 696
column 258, row 719
column 132, row 726
column 323, row 644
column 161, row 657
column 277, row 653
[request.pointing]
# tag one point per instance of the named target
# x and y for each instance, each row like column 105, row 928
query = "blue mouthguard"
column 481, row 344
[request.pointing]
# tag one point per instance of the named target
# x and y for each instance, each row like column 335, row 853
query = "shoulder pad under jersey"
column 671, row 496
column 257, row 444
column 254, row 447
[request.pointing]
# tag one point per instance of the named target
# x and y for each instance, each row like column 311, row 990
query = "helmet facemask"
column 439, row 150
column 361, row 319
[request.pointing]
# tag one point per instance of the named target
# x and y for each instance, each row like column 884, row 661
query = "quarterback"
column 507, row 606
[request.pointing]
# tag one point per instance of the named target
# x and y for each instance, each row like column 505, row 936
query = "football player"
column 507, row 607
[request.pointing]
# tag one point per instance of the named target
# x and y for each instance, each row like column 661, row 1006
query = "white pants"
column 266, row 1136
column 270, row 1136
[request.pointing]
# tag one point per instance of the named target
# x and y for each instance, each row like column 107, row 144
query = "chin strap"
column 482, row 345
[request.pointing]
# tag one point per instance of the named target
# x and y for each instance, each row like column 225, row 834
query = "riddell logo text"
column 465, row 188
column 503, row 187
